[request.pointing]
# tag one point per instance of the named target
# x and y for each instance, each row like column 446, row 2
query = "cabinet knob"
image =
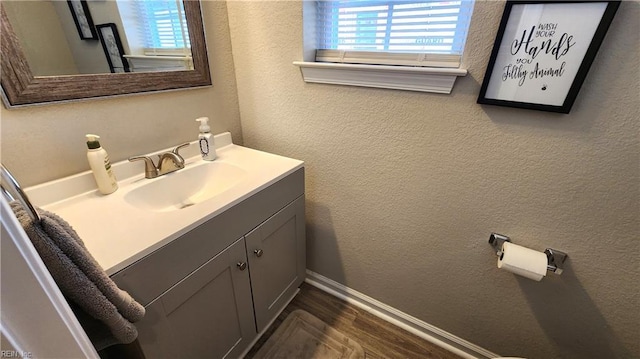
column 242, row 265
column 258, row 252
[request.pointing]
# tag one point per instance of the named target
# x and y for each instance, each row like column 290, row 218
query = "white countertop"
column 117, row 234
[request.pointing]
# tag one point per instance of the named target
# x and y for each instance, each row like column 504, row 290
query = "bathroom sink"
column 186, row 187
column 144, row 215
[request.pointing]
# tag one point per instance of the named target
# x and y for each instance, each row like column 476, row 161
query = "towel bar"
column 14, row 191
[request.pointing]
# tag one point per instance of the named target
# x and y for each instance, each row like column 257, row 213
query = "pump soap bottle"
column 100, row 165
column 207, row 148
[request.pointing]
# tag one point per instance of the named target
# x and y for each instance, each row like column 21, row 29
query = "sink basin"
column 186, row 187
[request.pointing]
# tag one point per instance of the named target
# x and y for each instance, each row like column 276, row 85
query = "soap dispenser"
column 101, row 166
column 207, row 148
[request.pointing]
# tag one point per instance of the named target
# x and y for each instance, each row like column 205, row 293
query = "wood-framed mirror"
column 20, row 87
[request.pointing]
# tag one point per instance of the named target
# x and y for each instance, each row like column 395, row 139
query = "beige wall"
column 404, row 188
column 47, row 142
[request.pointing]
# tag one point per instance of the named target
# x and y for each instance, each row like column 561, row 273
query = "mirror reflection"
column 101, row 36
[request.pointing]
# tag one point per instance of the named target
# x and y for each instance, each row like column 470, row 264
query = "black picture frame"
column 83, row 20
column 543, row 51
column 112, row 46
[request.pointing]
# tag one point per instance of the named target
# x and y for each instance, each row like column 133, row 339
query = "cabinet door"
column 277, row 262
column 208, row 314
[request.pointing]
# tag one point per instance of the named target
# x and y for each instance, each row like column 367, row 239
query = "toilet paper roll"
column 523, row 261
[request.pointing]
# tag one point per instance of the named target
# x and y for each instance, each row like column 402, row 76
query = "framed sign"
column 82, row 18
column 112, row 47
column 543, row 52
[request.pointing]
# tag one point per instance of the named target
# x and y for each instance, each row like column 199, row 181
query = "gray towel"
column 105, row 311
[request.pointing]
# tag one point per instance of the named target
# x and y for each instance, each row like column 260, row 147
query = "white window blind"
column 163, row 26
column 388, row 32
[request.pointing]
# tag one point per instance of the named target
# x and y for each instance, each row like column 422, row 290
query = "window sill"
column 422, row 79
column 145, row 63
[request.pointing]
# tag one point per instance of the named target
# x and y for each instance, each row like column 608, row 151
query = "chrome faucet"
column 167, row 162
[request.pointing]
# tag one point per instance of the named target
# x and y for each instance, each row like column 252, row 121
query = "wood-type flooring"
column 378, row 338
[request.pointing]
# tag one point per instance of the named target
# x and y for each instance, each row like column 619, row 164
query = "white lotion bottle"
column 101, row 166
column 207, row 147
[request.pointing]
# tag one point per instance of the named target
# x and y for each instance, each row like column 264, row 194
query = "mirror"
column 79, row 37
column 25, row 83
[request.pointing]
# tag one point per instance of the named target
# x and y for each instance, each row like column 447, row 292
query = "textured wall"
column 47, row 142
column 404, row 188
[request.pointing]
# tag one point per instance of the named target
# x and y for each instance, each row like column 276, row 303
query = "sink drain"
column 185, row 205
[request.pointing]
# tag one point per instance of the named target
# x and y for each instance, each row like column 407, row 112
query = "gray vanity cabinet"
column 208, row 314
column 276, row 252
column 210, row 291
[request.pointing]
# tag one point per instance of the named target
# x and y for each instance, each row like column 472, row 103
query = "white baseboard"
column 411, row 324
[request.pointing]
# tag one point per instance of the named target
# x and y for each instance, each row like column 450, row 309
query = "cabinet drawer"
column 149, row 277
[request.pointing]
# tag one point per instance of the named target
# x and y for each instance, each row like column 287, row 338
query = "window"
column 426, row 38
column 157, row 36
column 162, row 25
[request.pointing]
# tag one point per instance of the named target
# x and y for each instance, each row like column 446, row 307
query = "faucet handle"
column 175, row 150
column 150, row 169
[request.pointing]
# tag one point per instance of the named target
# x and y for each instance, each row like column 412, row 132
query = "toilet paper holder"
column 555, row 258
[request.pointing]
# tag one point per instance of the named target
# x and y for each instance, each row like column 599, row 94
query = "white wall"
column 404, row 188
